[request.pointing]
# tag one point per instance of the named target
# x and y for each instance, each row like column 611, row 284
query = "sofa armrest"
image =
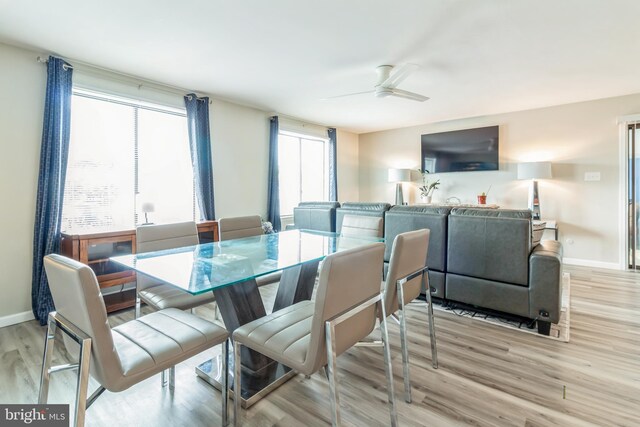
column 545, row 281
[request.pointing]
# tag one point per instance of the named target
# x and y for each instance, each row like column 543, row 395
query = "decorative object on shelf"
column 399, row 176
column 482, row 198
column 534, row 171
column 147, row 208
column 427, row 189
column 453, row 200
column 267, row 227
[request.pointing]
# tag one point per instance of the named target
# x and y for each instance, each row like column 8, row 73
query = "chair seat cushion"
column 159, row 340
column 162, row 296
column 282, row 335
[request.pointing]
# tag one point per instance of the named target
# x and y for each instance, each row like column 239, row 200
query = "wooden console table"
column 95, row 249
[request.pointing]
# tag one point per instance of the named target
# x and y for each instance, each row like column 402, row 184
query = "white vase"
column 425, row 199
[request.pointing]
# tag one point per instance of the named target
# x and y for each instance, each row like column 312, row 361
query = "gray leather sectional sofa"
column 484, row 257
column 362, row 209
column 481, row 257
column 320, row 216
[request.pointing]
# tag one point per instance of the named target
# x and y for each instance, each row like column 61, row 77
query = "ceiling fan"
column 388, row 82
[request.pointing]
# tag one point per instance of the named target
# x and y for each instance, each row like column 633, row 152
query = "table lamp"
column 399, row 176
column 534, row 171
column 147, row 208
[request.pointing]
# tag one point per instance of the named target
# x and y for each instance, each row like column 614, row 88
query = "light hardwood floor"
column 488, row 375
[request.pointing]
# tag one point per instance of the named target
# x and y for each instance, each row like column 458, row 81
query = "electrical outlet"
column 592, row 176
column 569, row 241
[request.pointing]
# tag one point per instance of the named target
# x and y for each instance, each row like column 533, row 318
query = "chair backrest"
column 347, row 279
column 363, row 209
column 239, row 227
column 76, row 295
column 163, row 236
column 361, row 226
column 408, row 255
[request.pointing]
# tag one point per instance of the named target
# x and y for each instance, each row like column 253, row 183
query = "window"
column 122, row 154
column 302, row 162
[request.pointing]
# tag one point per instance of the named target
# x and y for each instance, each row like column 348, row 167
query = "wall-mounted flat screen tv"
column 461, row 150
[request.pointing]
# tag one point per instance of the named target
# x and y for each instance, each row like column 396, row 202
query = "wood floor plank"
column 488, row 375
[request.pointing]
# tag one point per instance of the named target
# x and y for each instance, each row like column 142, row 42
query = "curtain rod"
column 140, row 82
column 302, row 122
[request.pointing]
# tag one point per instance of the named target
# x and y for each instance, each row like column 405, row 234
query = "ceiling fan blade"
column 409, row 95
column 347, row 94
column 401, row 73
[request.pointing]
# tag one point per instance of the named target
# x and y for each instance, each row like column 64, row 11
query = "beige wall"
column 576, row 138
column 22, row 89
column 240, row 150
column 348, row 167
column 240, row 139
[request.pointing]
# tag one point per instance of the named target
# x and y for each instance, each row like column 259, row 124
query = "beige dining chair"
column 307, row 335
column 117, row 358
column 154, row 293
column 241, row 227
column 406, row 278
column 361, row 226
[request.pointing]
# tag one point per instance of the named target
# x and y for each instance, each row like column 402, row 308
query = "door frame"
column 623, row 190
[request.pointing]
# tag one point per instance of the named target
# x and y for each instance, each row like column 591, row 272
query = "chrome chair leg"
column 172, row 378
column 83, row 381
column 404, row 344
column 163, row 378
column 225, row 382
column 387, row 365
column 332, row 374
column 237, row 386
column 49, row 343
column 432, row 327
column 138, row 305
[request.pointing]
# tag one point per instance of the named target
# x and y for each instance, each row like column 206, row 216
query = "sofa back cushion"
column 401, row 219
column 492, row 244
column 361, row 209
column 320, row 216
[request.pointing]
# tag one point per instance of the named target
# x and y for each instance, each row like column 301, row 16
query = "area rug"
column 559, row 331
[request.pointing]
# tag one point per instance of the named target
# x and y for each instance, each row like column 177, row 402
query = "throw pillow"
column 537, row 230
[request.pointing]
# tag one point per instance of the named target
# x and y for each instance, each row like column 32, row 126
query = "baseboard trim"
column 590, row 263
column 14, row 319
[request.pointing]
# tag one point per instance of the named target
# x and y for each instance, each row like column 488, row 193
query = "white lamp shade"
column 399, row 175
column 148, row 207
column 534, row 170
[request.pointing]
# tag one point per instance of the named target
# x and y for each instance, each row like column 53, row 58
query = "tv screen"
column 461, row 150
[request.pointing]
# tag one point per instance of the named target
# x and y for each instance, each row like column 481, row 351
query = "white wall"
column 576, row 138
column 22, row 90
column 240, row 151
column 348, row 167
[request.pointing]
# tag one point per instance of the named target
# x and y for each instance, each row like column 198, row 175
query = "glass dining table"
column 229, row 269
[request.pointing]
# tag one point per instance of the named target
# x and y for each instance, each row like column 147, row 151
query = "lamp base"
column 399, row 196
column 534, row 200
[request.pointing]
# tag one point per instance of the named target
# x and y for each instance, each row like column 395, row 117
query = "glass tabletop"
column 203, row 268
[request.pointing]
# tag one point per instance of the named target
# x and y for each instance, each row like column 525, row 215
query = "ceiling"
column 476, row 57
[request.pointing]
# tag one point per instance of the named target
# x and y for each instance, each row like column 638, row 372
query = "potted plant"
column 482, row 198
column 428, row 188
